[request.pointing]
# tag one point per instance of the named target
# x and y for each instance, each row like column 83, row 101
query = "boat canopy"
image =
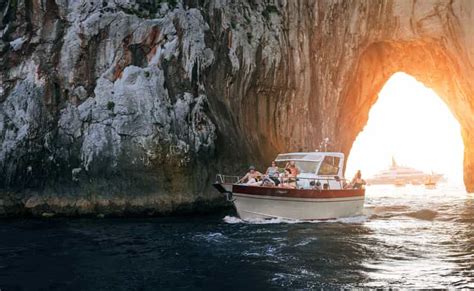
column 308, row 157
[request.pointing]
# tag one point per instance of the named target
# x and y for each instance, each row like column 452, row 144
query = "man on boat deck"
column 251, row 177
column 272, row 173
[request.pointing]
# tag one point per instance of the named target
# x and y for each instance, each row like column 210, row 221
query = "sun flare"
column 411, row 123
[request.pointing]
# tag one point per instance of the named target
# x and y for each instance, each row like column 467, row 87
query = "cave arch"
column 410, row 123
column 430, row 63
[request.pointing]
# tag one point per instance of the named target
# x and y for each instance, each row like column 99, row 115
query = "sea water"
column 408, row 237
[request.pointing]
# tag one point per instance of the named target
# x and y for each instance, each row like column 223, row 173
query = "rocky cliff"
column 133, row 106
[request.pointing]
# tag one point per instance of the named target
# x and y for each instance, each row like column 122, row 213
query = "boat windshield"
column 305, row 167
column 330, row 166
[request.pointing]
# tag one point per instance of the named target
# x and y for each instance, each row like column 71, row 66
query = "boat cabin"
column 325, row 167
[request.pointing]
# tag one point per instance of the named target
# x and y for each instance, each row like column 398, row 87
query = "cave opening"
column 411, row 123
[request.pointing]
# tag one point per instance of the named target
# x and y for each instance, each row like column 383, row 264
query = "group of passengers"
column 273, row 177
column 287, row 179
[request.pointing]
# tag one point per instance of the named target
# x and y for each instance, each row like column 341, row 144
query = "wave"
column 385, row 212
column 423, row 214
column 387, row 208
column 352, row 219
column 305, row 242
column 215, row 237
column 233, row 220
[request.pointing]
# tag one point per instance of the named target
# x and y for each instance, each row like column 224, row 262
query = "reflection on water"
column 409, row 237
column 431, row 233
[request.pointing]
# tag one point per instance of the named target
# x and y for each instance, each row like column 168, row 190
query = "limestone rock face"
column 141, row 101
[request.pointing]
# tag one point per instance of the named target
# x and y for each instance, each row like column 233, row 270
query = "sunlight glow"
column 410, row 122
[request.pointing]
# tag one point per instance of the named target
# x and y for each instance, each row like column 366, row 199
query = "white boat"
column 307, row 201
column 400, row 176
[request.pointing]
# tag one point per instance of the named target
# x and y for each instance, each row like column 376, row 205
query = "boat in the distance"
column 399, row 183
column 401, row 175
column 430, row 183
column 319, row 192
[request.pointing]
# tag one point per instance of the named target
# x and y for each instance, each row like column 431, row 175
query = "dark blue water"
column 407, row 238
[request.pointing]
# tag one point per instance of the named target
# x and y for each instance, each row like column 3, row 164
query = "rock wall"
column 133, row 106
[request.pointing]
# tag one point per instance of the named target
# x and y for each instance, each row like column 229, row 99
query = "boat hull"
column 255, row 202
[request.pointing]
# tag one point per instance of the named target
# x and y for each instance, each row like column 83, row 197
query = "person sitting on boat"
column 251, row 177
column 294, row 170
column 357, row 182
column 287, row 180
column 273, row 173
column 267, row 182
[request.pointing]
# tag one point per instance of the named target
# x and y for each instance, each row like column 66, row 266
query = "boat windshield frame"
column 314, row 157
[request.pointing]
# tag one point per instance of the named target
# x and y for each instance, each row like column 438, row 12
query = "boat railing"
column 342, row 182
column 227, row 179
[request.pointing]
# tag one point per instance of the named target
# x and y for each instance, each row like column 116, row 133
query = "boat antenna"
column 394, row 163
column 323, row 145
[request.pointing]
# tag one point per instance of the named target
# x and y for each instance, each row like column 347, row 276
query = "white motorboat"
column 400, row 176
column 319, row 192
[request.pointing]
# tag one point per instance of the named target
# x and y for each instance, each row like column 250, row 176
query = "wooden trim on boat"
column 296, row 193
column 303, row 200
